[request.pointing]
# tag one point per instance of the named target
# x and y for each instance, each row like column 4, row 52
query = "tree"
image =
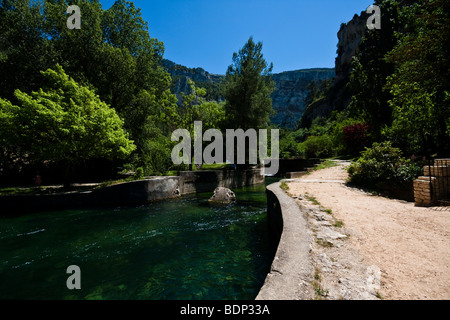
column 195, row 108
column 370, row 70
column 248, row 88
column 63, row 123
column 124, row 29
column 78, row 51
column 419, row 86
column 24, row 48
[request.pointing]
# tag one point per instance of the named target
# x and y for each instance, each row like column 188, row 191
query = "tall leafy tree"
column 78, row 50
column 420, row 86
column 248, row 88
column 65, row 122
column 125, row 30
column 194, row 107
column 123, row 62
column 24, row 48
column 370, row 70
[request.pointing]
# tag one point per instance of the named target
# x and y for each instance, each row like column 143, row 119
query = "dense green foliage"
column 370, row 71
column 112, row 53
column 420, row 83
column 326, row 137
column 400, row 89
column 383, row 164
column 248, row 88
column 71, row 97
column 400, row 100
column 116, row 68
column 63, row 123
column 401, row 77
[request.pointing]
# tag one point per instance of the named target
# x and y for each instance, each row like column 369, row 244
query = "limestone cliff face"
column 287, row 99
column 349, row 39
column 195, row 74
column 291, row 85
column 339, row 96
column 180, row 75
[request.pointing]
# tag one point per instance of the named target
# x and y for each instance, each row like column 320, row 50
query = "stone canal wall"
column 292, row 268
column 207, row 181
column 135, row 192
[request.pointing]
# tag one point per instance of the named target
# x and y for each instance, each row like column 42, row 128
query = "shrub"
column 355, row 136
column 139, row 174
column 380, row 164
column 289, row 147
column 318, row 146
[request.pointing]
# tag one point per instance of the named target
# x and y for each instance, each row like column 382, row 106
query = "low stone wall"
column 422, row 191
column 292, row 268
column 433, row 185
column 295, row 165
column 207, row 181
column 141, row 191
column 296, row 175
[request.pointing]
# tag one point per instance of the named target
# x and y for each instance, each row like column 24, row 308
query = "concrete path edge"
column 292, row 269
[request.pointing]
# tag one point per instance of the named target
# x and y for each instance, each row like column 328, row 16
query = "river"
column 177, row 249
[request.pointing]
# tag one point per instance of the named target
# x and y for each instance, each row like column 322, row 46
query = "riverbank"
column 366, row 246
column 133, row 192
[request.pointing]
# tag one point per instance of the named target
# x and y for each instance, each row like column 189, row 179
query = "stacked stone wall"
column 433, row 186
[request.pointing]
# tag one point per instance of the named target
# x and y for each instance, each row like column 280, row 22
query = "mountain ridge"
column 287, row 98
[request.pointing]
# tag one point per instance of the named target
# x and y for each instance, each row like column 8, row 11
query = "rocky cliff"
column 349, row 39
column 287, row 97
column 291, row 91
column 291, row 85
column 202, row 78
column 339, row 95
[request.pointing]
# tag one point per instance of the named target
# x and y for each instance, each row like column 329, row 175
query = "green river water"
column 176, row 249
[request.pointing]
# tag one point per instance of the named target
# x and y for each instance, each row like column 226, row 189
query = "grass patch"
column 338, row 224
column 42, row 190
column 320, row 292
column 20, row 190
column 326, row 164
column 324, row 243
column 317, row 274
column 215, row 166
column 329, row 211
column 312, row 199
column 171, row 173
column 109, row 183
column 284, row 186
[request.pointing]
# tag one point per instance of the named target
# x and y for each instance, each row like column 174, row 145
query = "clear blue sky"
column 296, row 34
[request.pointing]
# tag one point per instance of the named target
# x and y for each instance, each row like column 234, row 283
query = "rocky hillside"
column 291, row 85
column 202, row 78
column 287, row 98
column 291, row 91
column 339, row 96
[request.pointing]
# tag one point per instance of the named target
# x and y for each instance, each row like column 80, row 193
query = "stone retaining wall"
column 135, row 192
column 296, row 175
column 292, row 268
column 433, row 185
column 207, row 181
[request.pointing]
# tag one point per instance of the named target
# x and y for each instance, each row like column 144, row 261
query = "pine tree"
column 247, row 89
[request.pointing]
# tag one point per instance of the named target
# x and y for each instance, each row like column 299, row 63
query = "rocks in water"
column 223, row 195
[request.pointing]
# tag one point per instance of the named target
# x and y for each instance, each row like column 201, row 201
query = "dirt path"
column 410, row 245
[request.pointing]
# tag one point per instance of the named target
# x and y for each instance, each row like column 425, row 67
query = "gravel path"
column 408, row 244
